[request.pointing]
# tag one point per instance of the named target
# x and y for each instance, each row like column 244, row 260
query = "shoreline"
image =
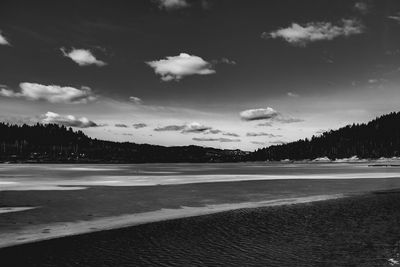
column 43, row 232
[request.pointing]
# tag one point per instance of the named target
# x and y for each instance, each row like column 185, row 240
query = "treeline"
column 378, row 138
column 55, row 143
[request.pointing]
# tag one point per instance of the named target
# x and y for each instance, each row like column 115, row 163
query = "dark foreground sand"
column 361, row 230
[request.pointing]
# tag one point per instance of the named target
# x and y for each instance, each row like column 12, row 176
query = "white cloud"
column 222, row 140
column 3, row 40
column 258, row 114
column 172, row 4
column 82, row 57
column 68, row 120
column 178, row 67
column 135, row 100
column 299, row 35
column 51, row 93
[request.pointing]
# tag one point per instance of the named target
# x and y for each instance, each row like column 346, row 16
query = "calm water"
column 58, row 176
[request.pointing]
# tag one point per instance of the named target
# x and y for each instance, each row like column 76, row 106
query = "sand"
column 49, row 231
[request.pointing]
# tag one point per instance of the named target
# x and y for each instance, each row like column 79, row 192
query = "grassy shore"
column 362, row 230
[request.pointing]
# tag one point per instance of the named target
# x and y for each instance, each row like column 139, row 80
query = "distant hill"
column 54, row 143
column 377, row 138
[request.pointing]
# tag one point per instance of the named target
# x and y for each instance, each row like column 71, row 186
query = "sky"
column 222, row 73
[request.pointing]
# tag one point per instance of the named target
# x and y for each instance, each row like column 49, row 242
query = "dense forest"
column 54, row 143
column 377, row 138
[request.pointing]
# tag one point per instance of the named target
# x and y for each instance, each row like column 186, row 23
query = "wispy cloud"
column 222, row 140
column 258, row 114
column 82, row 57
column 139, row 125
column 395, row 17
column 301, row 35
column 170, row 128
column 291, row 94
column 3, row 39
column 175, row 68
column 136, row 100
column 231, row 134
column 51, row 93
column 363, row 7
column 286, row 119
column 172, row 4
column 259, row 143
column 252, row 134
column 67, row 120
column 193, row 127
column 121, row 125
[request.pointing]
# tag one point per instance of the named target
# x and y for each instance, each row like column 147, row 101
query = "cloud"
column 139, row 125
column 121, row 125
column 170, row 128
column 284, row 119
column 266, row 124
column 135, row 100
column 68, row 120
column 225, row 60
column 172, row 4
column 222, row 140
column 258, row 143
column 230, row 134
column 395, row 17
column 195, row 127
column 292, row 94
column 82, row 57
column 362, row 6
column 3, row 40
column 51, row 93
column 269, row 115
column 258, row 114
column 177, row 67
column 251, row 134
column 299, row 35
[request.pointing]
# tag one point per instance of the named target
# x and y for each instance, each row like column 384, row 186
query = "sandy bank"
column 49, row 231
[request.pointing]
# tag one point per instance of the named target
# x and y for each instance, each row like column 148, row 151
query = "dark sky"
column 298, row 67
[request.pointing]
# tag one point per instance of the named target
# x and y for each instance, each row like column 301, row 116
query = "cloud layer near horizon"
column 67, row 120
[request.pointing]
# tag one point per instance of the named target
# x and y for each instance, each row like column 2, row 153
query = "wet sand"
column 360, row 230
column 57, row 213
column 56, row 230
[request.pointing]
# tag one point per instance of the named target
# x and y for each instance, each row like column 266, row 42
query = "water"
column 79, row 176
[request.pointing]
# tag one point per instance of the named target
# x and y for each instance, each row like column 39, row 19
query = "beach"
column 359, row 230
column 75, row 202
